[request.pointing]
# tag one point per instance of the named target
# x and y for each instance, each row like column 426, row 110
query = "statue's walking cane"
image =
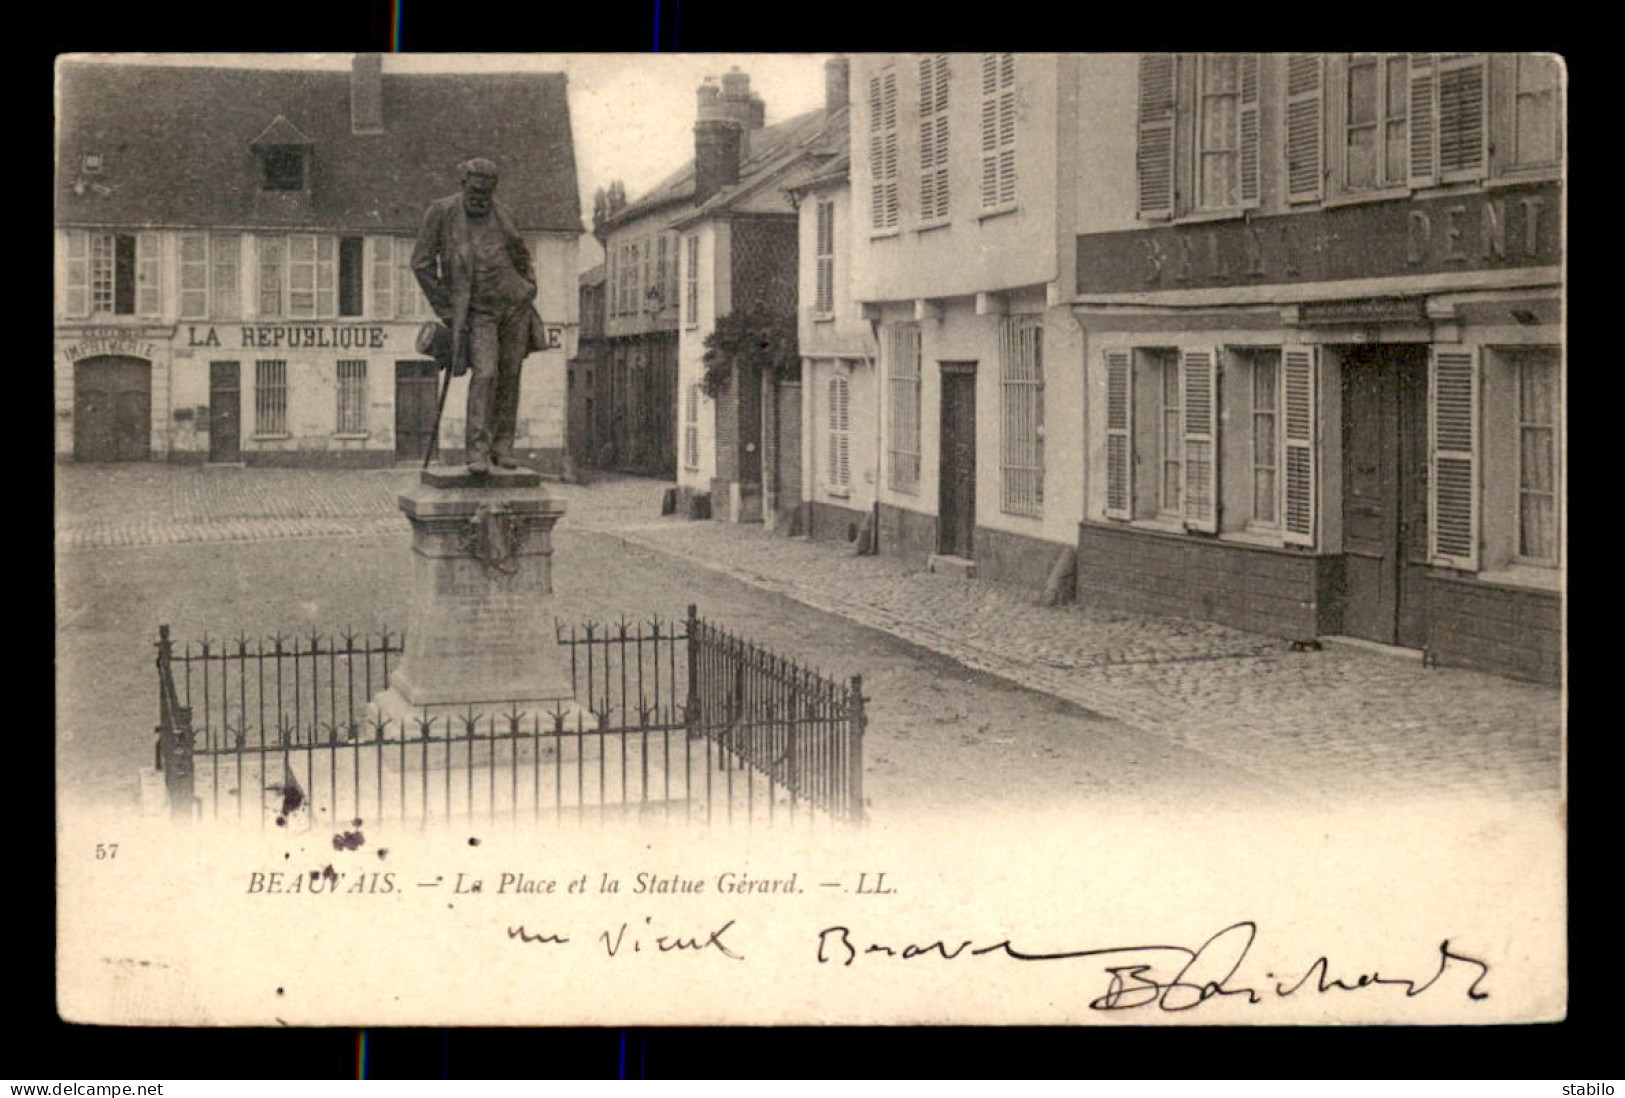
column 434, row 340
column 440, row 410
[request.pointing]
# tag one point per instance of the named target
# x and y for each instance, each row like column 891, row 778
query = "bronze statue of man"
column 477, row 274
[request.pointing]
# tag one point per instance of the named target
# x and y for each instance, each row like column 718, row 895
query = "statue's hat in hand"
column 434, row 340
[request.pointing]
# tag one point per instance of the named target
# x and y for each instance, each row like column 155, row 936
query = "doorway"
column 112, row 409
column 417, row 405
column 225, row 413
column 1385, row 508
column 956, row 482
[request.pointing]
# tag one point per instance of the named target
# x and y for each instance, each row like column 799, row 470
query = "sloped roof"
column 770, row 147
column 593, row 275
column 177, row 144
column 835, row 146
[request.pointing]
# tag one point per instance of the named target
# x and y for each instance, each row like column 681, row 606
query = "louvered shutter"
column 75, row 273
column 1119, row 435
column 147, row 271
column 1199, row 392
column 839, row 470
column 1462, row 117
column 1424, row 121
column 381, row 264
column 1453, row 450
column 194, row 275
column 844, row 458
column 1154, row 158
column 1298, row 366
column 327, row 293
column 877, row 154
column 1247, row 110
column 1305, row 130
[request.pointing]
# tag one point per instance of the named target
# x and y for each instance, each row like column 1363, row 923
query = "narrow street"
column 978, row 696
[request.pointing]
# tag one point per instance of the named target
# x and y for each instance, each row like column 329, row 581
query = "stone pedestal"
column 480, row 635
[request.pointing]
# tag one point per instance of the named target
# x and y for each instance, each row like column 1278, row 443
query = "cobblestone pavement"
column 1338, row 721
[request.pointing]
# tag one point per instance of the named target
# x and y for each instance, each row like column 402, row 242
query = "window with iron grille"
column 271, row 397
column 824, row 261
column 903, row 408
column 1021, row 389
column 691, row 293
column 691, row 428
column 883, row 150
column 838, row 470
column 998, row 130
column 934, row 138
column 110, row 273
column 352, row 383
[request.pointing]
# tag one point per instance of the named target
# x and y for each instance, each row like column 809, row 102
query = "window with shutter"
column 903, row 408
column 225, row 275
column 301, row 275
column 691, row 293
column 1262, row 370
column 194, row 275
column 691, row 428
column 1298, row 368
column 1375, row 121
column 1304, row 126
column 998, row 130
column 839, row 471
column 824, row 258
column 1423, row 169
column 1539, row 495
column 1247, row 132
column 883, row 150
column 76, row 273
column 1119, row 435
column 1536, row 121
column 148, row 270
column 1170, row 437
column 934, row 138
column 327, row 301
column 1154, row 159
column 1463, row 117
column 1453, row 449
column 272, row 262
column 381, row 265
column 409, row 300
column 1199, row 390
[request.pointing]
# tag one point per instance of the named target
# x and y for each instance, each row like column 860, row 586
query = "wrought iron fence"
column 668, row 719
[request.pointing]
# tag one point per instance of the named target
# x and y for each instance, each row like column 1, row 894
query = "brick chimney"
column 367, row 93
column 837, row 84
column 716, row 155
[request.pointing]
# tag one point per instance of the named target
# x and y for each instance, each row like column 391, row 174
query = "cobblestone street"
column 1336, row 722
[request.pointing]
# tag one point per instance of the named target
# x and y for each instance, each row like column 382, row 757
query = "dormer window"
column 282, row 168
column 283, row 153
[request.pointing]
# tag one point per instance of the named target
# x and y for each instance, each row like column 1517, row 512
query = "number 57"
column 106, row 851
